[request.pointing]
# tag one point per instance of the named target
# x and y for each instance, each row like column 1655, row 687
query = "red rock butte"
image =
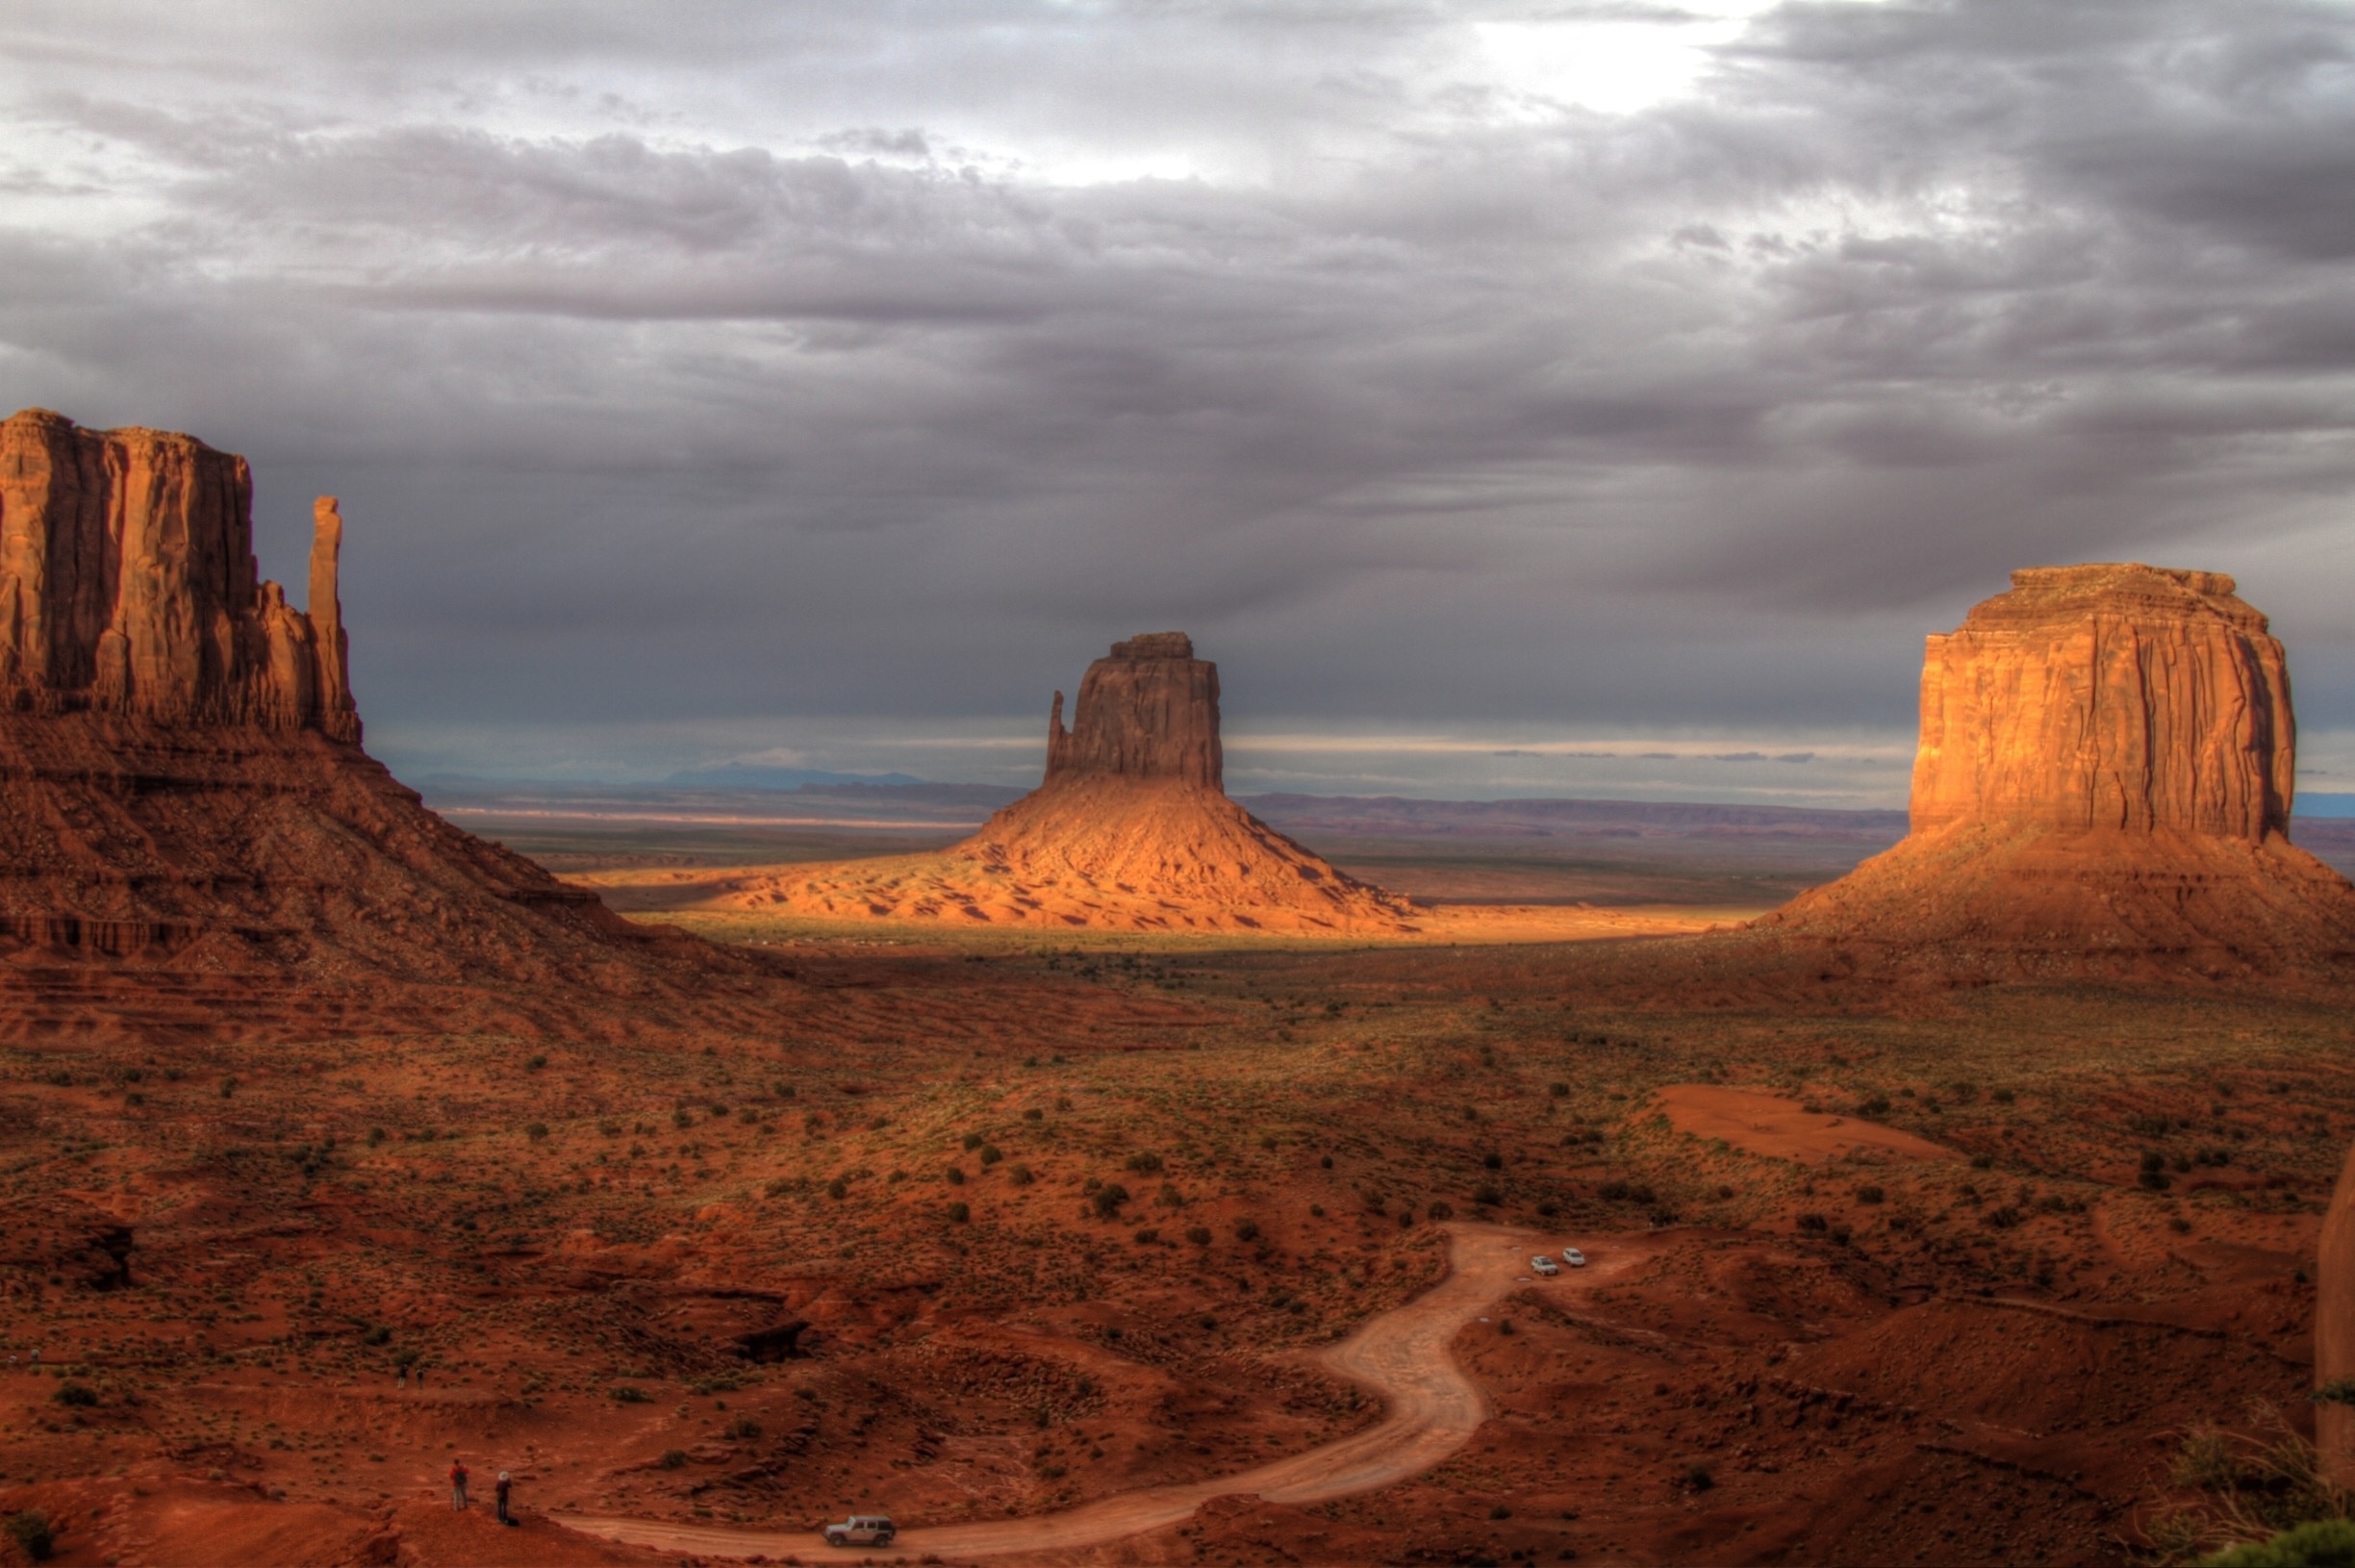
column 1130, row 830
column 189, row 832
column 2104, row 784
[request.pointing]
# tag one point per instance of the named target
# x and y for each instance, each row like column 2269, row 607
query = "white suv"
column 1544, row 1265
column 1574, row 1257
column 862, row 1529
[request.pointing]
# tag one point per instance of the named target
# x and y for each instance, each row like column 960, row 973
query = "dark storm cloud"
column 775, row 360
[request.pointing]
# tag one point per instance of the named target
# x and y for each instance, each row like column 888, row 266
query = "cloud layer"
column 792, row 375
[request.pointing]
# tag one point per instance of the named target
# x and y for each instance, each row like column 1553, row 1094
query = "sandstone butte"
column 1131, row 830
column 189, row 831
column 2103, row 787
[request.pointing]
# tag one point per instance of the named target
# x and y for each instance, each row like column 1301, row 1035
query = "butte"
column 1131, row 830
column 2103, row 788
column 192, row 838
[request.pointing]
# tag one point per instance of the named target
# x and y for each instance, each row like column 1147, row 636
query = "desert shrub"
column 1034, row 1114
column 1145, row 1162
column 1547, row 1208
column 1246, row 1231
column 632, row 1394
column 682, row 1117
column 78, row 1396
column 536, row 1062
column 838, row 1188
column 377, row 1335
column 955, row 1176
column 1487, row 1192
column 959, row 1214
column 1560, row 1091
column 1697, row 1478
column 2337, row 1391
column 228, row 1087
column 1982, row 1162
column 1870, row 1195
column 375, row 1136
column 1492, row 1161
column 1107, row 1199
column 1814, row 1222
column 991, row 1155
column 535, row 1130
column 974, row 1140
column 1020, row 1175
column 2002, row 1097
column 30, row 1531
column 743, row 1428
column 1500, row 1511
column 1148, row 1236
column 1198, row 1235
column 2255, row 1489
column 673, row 1459
column 1873, row 1105
column 2322, row 1543
column 1439, row 1209
column 1724, row 1192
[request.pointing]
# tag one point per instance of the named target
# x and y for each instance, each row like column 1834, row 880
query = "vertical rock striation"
column 1148, row 710
column 2107, row 762
column 128, row 586
column 2123, row 698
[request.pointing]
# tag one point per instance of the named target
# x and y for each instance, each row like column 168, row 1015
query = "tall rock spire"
column 1149, row 709
column 336, row 709
column 128, row 585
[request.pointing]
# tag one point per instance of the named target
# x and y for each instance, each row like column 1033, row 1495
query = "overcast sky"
column 1497, row 391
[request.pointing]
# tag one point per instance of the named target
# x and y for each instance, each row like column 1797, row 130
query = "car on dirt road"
column 1574, row 1257
column 862, row 1529
column 1543, row 1266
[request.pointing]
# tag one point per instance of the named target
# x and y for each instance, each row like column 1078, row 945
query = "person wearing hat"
column 504, row 1485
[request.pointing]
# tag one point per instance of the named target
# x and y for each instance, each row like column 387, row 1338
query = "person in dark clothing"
column 504, row 1486
column 458, row 1480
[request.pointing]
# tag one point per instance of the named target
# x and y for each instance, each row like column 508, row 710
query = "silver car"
column 1574, row 1257
column 1544, row 1266
column 862, row 1529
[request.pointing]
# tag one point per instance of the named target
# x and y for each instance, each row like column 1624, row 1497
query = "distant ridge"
column 737, row 775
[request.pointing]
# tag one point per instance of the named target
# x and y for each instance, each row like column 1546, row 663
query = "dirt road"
column 1402, row 1355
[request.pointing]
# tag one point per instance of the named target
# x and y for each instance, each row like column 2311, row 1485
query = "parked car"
column 862, row 1529
column 1574, row 1257
column 1544, row 1265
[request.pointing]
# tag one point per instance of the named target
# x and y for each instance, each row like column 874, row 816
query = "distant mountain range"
column 737, row 775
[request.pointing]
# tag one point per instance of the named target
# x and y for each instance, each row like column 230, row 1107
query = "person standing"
column 458, row 1480
column 504, row 1485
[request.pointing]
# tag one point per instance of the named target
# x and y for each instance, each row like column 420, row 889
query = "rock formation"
column 1131, row 830
column 2104, row 781
column 2334, row 1329
column 187, row 821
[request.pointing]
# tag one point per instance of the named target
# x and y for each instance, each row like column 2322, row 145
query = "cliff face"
column 1148, row 710
column 1130, row 830
column 2108, row 755
column 128, row 586
column 2335, row 1328
column 190, row 836
column 2124, row 698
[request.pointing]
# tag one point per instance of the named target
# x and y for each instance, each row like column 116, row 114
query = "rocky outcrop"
column 128, row 585
column 1130, row 830
column 2335, row 1331
column 189, row 828
column 2103, row 783
column 1148, row 710
column 2107, row 698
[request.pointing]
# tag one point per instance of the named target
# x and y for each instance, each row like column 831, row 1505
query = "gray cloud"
column 771, row 365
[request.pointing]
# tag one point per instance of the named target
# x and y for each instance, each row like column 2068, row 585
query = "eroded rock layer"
column 2104, row 781
column 190, row 836
column 1131, row 830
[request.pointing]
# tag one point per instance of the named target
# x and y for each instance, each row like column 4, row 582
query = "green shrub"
column 956, row 1175
column 77, row 1395
column 535, row 1130
column 30, row 1531
column 1487, row 1192
column 2322, row 1543
column 536, row 1062
column 959, row 1214
column 1198, row 1235
column 673, row 1458
column 1107, row 1199
column 743, row 1428
column 377, row 1335
column 973, row 1140
column 838, row 1188
column 1814, row 1222
column 991, row 1155
column 1145, row 1162
column 1246, row 1231
column 1870, row 1195
column 632, row 1394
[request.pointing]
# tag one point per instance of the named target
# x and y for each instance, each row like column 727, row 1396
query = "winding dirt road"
column 1402, row 1355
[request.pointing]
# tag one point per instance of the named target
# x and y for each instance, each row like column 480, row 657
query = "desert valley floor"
column 996, row 1228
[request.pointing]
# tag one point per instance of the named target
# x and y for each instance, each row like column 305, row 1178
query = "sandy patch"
column 1763, row 1124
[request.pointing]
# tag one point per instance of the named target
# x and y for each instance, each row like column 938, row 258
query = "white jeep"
column 862, row 1529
